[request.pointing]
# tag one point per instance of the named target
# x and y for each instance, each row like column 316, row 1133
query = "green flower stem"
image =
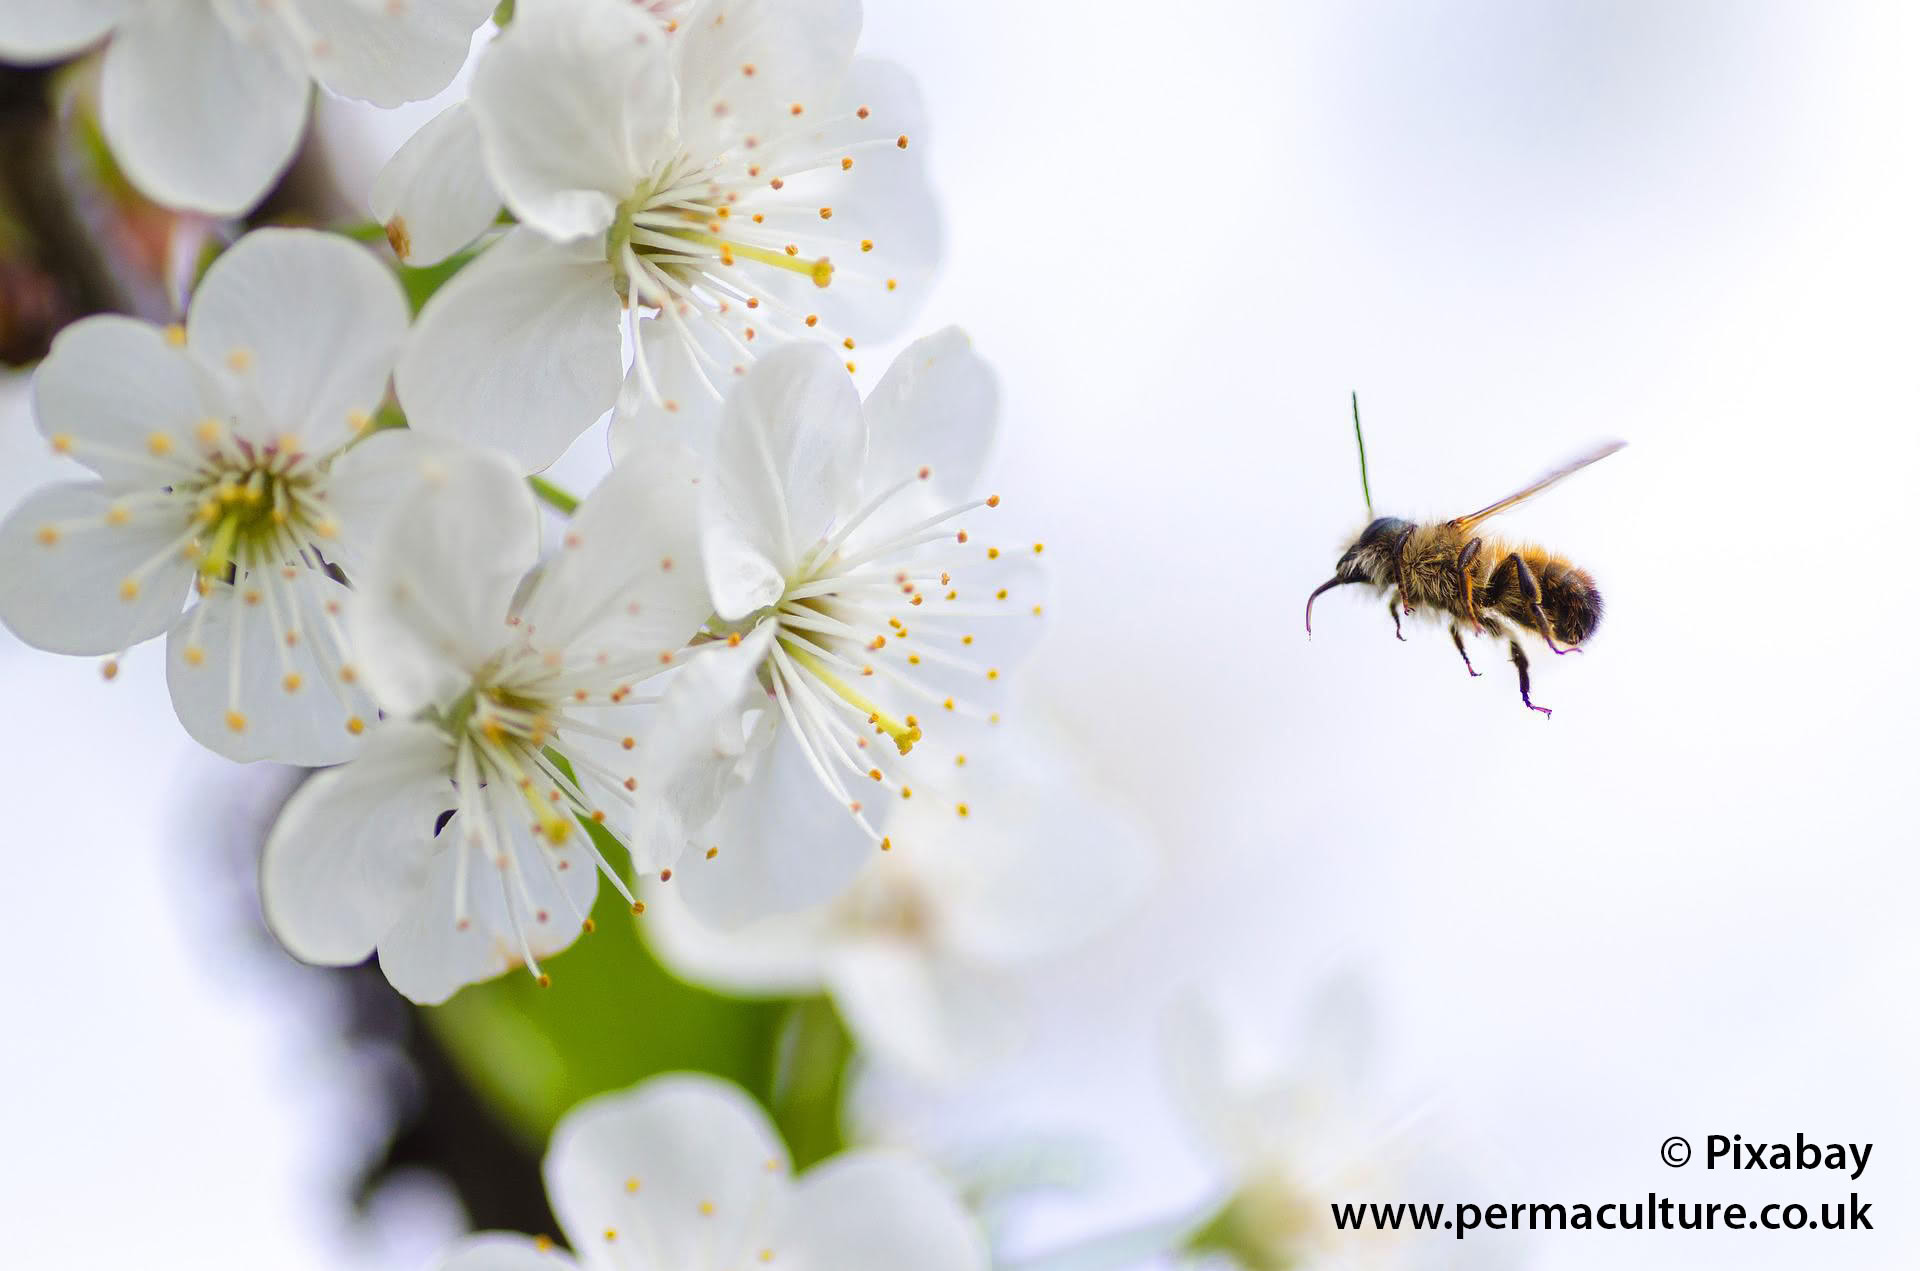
column 810, row 1079
column 553, row 496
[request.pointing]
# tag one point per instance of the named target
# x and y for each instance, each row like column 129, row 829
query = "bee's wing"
column 1552, row 478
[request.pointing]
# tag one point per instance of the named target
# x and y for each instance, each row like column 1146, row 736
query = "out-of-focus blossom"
column 510, row 704
column 686, row 1172
column 232, row 465
column 731, row 179
column 204, row 101
column 1292, row 1138
column 925, row 952
column 858, row 617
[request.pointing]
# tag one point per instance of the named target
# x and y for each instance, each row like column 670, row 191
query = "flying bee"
column 1495, row 587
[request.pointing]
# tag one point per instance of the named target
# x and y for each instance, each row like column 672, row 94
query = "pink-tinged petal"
column 786, row 467
column 678, row 1166
column 80, row 578
column 388, row 53
column 431, row 605
column 435, row 196
column 198, row 116
column 575, row 104
column 520, row 351
column 306, row 327
column 34, row 31
column 352, row 846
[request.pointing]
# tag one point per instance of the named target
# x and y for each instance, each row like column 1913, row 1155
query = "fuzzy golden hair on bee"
column 1475, row 583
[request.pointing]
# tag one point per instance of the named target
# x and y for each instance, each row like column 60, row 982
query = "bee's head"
column 1368, row 559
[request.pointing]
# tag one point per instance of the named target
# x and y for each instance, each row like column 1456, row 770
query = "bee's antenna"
column 1362, row 441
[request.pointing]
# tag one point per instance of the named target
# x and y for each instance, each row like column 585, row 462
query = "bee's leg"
column 1393, row 611
column 1530, row 592
column 1400, row 565
column 1519, row 656
column 1453, row 629
column 1465, row 563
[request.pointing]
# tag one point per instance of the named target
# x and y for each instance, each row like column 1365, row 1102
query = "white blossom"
column 510, row 701
column 204, row 101
column 1292, row 1136
column 859, row 616
column 708, row 188
column 925, row 953
column 685, row 1173
column 232, row 463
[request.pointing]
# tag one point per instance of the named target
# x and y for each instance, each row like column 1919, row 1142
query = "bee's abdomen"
column 1569, row 597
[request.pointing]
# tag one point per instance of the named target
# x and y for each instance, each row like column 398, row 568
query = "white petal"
column 289, row 701
column 786, row 466
column 117, row 382
column 350, row 848
column 66, row 595
column 694, row 745
column 33, row 31
column 308, row 323
column 785, row 843
column 799, row 51
column 883, row 201
column 434, row 196
column 496, row 1251
column 937, row 406
column 198, row 118
column 428, row 956
column 931, row 1018
column 372, row 480
column 879, row 1211
column 575, row 104
column 707, row 1171
column 1041, row 863
column 431, row 605
column 690, row 366
column 521, row 350
column 628, row 578
column 781, row 956
column 389, row 53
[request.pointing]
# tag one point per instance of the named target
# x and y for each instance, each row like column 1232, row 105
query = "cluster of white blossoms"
column 752, row 682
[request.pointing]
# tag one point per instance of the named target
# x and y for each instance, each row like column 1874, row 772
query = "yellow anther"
column 866, row 244
column 62, row 443
column 110, row 669
column 194, row 655
column 543, row 1244
column 633, row 1185
column 959, row 761
column 993, row 673
column 398, row 238
column 826, row 213
column 846, row 164
column 129, row 588
column 1038, row 548
column 993, row 553
column 961, row 808
column 46, row 536
column 291, row 682
column 902, row 142
column 822, row 272
column 356, row 725
column 893, row 284
column 706, row 1208
column 359, row 420
column 158, row 443
column 712, row 852
column 236, row 722
column 207, row 431
column 240, row 359
column 886, row 845
column 176, row 335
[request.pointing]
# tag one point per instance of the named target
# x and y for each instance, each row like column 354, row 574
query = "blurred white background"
column 1680, row 906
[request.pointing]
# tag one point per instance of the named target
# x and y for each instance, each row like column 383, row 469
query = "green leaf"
column 614, row 1016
